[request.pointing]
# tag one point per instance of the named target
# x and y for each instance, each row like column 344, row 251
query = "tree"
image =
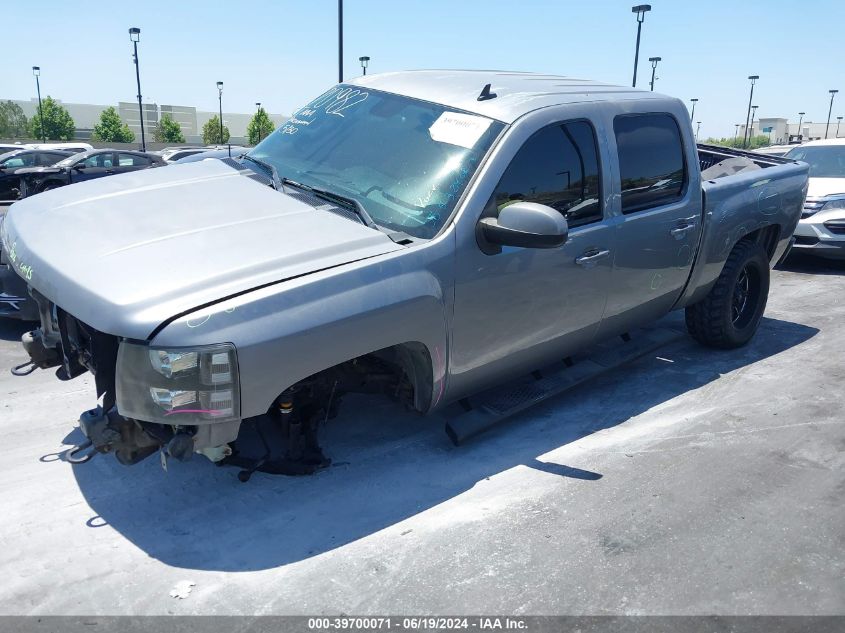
column 12, row 120
column 111, row 129
column 259, row 127
column 761, row 140
column 211, row 132
column 168, row 131
column 58, row 124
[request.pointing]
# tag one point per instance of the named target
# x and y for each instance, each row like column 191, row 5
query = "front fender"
column 289, row 331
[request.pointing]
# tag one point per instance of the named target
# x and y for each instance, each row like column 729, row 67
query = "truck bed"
column 709, row 156
column 742, row 192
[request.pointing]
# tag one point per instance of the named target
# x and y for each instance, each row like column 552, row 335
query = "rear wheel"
column 730, row 313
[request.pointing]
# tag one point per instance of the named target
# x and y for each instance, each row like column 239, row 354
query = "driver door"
column 96, row 166
column 521, row 308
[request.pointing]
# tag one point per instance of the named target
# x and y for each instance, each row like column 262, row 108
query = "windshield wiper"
column 349, row 203
column 277, row 182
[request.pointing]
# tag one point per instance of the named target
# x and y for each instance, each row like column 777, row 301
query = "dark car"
column 97, row 163
column 12, row 162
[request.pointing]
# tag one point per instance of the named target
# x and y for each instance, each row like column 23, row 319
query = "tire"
column 730, row 314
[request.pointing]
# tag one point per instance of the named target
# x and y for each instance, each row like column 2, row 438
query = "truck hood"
column 825, row 186
column 128, row 252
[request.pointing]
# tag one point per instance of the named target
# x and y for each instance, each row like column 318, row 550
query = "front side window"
column 558, row 167
column 651, row 160
column 406, row 161
column 99, row 160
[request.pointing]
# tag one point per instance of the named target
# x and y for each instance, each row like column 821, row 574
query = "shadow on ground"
column 12, row 330
column 802, row 263
column 389, row 466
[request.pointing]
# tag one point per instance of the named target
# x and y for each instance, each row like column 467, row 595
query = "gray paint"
column 168, row 242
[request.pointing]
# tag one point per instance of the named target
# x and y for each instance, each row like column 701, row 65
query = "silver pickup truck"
column 422, row 234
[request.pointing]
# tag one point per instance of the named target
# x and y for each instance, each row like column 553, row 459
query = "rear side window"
column 558, row 166
column 131, row 160
column 651, row 160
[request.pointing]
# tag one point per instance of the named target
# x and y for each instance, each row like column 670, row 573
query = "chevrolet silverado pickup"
column 422, row 234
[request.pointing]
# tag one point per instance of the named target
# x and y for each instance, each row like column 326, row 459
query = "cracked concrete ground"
column 691, row 482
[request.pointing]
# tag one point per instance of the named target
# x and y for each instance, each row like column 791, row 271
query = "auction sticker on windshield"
column 457, row 128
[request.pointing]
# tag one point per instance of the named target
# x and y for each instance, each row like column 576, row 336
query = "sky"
column 284, row 53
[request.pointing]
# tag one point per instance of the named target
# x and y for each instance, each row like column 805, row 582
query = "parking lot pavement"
column 690, row 482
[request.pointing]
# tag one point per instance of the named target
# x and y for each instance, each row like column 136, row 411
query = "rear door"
column 660, row 221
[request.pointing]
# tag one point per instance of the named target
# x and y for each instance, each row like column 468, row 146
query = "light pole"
column 653, row 61
column 753, row 79
column 838, row 121
column 257, row 120
column 753, row 114
column 364, row 63
column 36, row 70
column 135, row 35
column 832, row 94
column 220, row 104
column 640, row 10
column 340, row 41
column 736, row 131
column 800, row 121
column 697, row 128
column 692, row 114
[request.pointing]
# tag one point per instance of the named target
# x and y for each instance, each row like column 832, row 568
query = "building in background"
column 782, row 129
column 191, row 120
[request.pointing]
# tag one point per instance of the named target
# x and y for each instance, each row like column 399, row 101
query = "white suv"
column 821, row 230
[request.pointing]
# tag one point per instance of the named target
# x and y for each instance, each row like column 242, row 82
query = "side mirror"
column 79, row 166
column 526, row 224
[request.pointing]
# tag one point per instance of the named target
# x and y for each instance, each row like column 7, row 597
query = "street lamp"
column 692, row 114
column 753, row 79
column 697, row 128
column 838, row 121
column 36, row 70
column 832, row 94
column 220, row 103
column 257, row 120
column 135, row 35
column 753, row 114
column 364, row 63
column 653, row 61
column 800, row 121
column 640, row 10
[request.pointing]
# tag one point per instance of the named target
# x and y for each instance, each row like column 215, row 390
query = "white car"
column 67, row 147
column 821, row 230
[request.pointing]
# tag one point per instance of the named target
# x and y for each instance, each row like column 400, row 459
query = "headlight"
column 197, row 385
column 833, row 204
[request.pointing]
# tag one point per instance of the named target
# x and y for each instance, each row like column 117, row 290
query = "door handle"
column 681, row 231
column 591, row 257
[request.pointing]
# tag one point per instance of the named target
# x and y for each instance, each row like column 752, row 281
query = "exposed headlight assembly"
column 185, row 386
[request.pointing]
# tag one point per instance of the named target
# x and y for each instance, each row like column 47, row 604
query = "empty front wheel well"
column 403, row 371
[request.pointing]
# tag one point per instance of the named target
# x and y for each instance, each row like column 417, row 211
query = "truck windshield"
column 825, row 161
column 406, row 161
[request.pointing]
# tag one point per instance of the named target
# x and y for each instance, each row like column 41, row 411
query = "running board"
column 487, row 409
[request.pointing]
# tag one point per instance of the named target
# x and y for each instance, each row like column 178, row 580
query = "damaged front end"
column 178, row 402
